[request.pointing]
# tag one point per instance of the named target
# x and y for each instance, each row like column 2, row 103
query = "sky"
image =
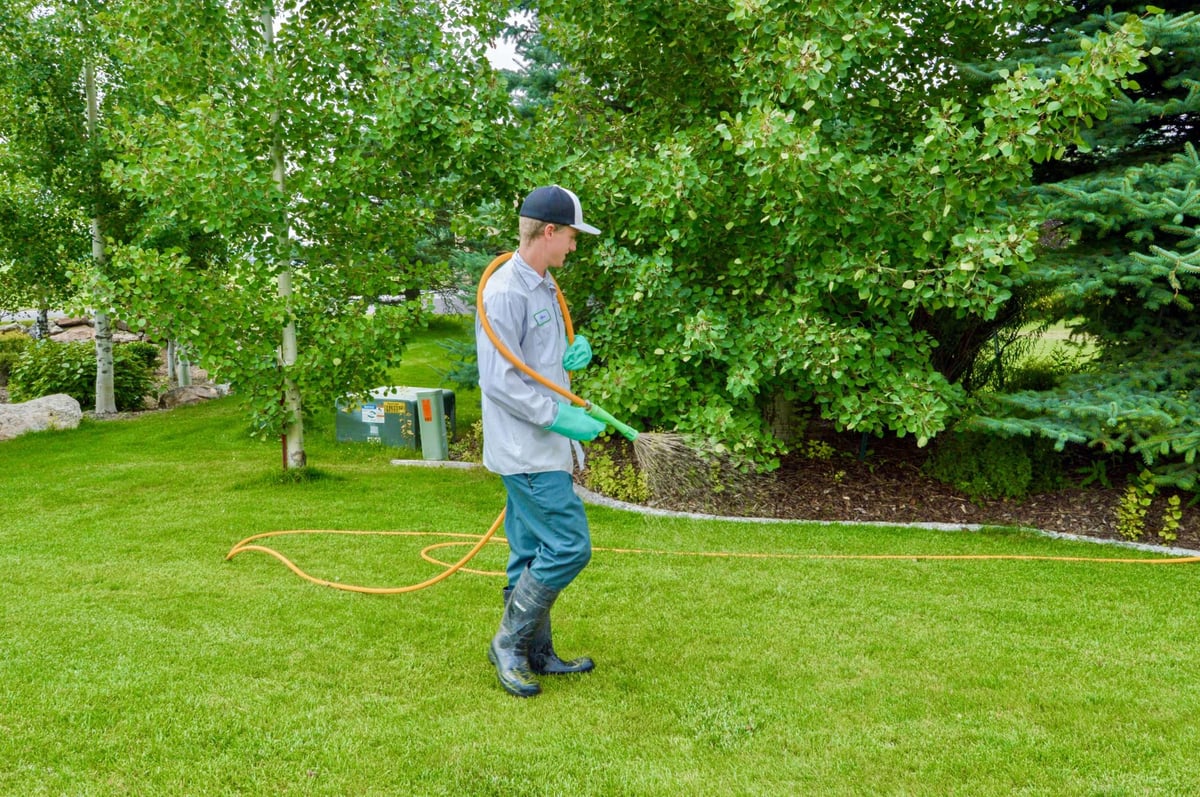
column 503, row 54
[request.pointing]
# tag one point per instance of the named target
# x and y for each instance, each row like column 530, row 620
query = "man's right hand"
column 574, row 422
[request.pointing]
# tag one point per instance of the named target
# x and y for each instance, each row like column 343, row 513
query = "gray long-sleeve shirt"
column 524, row 313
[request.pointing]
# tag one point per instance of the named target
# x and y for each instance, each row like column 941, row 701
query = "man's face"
column 561, row 242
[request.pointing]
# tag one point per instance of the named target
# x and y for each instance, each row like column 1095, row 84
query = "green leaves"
column 383, row 127
column 801, row 187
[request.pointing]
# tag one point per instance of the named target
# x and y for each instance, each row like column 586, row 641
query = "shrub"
column 12, row 345
column 1138, row 501
column 1172, row 519
column 623, row 482
column 1134, row 504
column 1048, row 372
column 1046, row 465
column 988, row 466
column 141, row 351
column 817, row 450
column 48, row 368
column 469, row 445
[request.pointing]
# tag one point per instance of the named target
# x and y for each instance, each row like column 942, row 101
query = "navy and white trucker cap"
column 557, row 205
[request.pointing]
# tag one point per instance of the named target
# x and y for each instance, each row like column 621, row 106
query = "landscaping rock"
column 72, row 334
column 59, row 411
column 85, row 332
column 189, row 394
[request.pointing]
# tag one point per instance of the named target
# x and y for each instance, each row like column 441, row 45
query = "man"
column 529, row 436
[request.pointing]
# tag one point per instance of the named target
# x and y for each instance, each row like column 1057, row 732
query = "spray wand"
column 604, row 416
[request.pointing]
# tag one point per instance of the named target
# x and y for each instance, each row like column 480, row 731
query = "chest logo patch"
column 541, row 317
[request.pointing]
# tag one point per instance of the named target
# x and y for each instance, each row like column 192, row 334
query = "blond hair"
column 530, row 228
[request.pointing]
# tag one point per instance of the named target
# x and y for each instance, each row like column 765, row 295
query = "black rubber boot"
column 542, row 658
column 509, row 651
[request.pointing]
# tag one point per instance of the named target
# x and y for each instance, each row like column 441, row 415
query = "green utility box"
column 431, row 424
column 397, row 416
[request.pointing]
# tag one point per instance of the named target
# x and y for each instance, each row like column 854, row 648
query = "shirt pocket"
column 543, row 347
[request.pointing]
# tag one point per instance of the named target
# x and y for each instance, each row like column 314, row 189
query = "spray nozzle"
column 603, row 415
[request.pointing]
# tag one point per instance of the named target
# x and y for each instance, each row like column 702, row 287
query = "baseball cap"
column 557, row 205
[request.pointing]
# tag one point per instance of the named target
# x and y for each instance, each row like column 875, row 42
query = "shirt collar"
column 528, row 275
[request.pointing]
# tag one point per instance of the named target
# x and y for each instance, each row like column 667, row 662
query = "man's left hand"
column 578, row 354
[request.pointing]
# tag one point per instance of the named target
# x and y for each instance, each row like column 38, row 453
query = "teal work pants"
column 546, row 527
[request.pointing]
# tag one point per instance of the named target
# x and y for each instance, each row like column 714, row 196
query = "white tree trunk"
column 171, row 373
column 293, row 438
column 183, row 368
column 179, row 367
column 106, row 402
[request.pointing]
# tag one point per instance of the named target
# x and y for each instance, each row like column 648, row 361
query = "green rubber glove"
column 574, row 422
column 578, row 354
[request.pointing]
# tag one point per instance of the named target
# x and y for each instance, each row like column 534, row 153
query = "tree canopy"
column 831, row 205
column 38, row 229
column 314, row 149
column 57, row 81
column 798, row 194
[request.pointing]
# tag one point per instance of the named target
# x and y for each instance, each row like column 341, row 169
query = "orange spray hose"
column 245, row 545
column 451, row 569
column 505, row 352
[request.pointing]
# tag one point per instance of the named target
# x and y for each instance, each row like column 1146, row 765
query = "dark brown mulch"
column 889, row 486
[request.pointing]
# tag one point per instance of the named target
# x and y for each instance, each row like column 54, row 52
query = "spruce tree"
column 1121, row 259
column 531, row 86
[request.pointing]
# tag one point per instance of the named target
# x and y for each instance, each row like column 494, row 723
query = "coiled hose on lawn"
column 249, row 543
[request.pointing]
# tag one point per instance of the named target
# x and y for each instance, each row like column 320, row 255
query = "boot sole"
column 580, row 669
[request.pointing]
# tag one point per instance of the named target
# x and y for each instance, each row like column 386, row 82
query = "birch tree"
column 52, row 61
column 318, row 144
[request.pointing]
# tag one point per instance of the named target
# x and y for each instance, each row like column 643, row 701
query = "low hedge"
column 47, row 367
column 12, row 346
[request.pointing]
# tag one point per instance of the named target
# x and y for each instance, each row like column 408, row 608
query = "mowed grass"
column 134, row 659
column 1058, row 341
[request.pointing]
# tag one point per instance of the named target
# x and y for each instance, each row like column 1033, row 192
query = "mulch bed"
column 889, row 486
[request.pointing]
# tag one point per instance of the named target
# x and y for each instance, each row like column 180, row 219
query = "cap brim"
column 585, row 228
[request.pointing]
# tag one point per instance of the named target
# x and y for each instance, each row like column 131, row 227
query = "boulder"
column 85, row 332
column 188, row 394
column 71, row 334
column 59, row 411
column 84, row 321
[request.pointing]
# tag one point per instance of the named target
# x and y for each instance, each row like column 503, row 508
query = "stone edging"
column 437, row 463
column 601, row 500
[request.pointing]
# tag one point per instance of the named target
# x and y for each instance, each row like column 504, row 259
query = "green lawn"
column 135, row 660
column 1058, row 340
